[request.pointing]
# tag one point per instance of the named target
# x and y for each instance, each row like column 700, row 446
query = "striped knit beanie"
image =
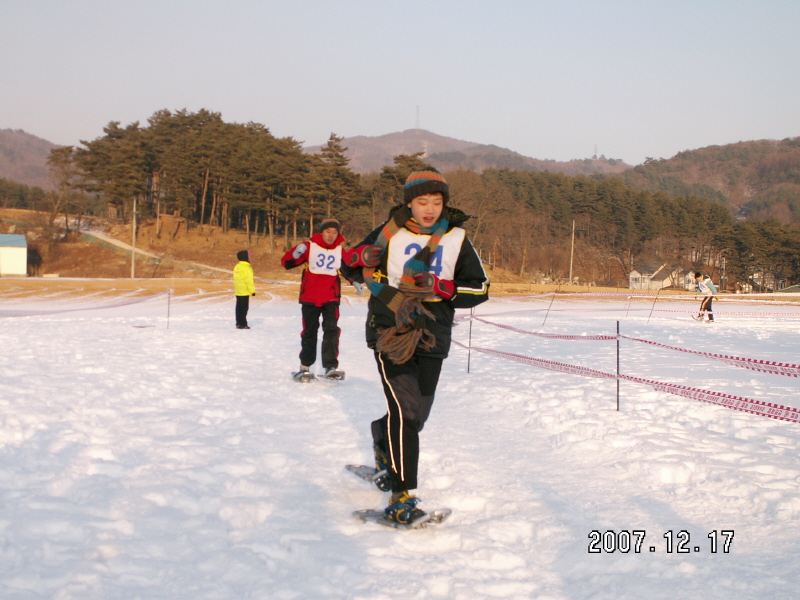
column 425, row 181
column 329, row 222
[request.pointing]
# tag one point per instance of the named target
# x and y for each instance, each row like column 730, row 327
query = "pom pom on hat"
column 425, row 181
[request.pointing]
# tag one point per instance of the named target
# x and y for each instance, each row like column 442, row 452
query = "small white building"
column 653, row 277
column 639, row 278
column 13, row 255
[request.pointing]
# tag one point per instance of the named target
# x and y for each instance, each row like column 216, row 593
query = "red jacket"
column 320, row 283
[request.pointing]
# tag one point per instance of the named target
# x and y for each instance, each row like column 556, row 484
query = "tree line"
column 536, row 224
column 209, row 172
column 19, row 195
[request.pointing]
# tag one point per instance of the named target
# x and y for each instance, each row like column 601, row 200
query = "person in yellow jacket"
column 243, row 286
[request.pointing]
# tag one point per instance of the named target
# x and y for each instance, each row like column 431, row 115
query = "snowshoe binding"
column 403, row 510
column 381, row 476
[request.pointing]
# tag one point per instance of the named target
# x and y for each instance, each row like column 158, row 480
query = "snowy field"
column 147, row 458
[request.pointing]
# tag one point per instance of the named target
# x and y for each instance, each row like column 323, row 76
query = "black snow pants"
column 242, row 306
column 409, row 390
column 330, row 335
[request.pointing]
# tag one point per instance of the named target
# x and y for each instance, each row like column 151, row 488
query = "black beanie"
column 243, row 255
column 329, row 222
column 425, row 181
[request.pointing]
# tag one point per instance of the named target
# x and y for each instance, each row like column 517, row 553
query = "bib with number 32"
column 324, row 261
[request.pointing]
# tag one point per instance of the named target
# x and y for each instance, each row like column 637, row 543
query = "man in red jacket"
column 320, row 294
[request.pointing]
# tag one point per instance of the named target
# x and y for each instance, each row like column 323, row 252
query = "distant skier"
column 709, row 290
column 419, row 267
column 320, row 295
column 243, row 287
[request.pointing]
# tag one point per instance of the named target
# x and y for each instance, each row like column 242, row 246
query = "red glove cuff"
column 444, row 288
column 363, row 256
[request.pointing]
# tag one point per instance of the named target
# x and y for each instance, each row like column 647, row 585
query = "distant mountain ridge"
column 371, row 154
column 23, row 157
column 757, row 179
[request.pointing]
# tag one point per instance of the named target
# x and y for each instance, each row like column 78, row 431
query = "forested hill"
column 755, row 179
column 371, row 154
column 23, row 157
column 196, row 169
column 758, row 179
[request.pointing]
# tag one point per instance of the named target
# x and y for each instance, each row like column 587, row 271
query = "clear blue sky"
column 550, row 79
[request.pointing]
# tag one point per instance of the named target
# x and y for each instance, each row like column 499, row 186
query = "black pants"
column 242, row 306
column 330, row 334
column 409, row 390
column 705, row 307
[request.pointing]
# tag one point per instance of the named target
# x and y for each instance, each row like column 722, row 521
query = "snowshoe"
column 434, row 517
column 335, row 374
column 370, row 474
column 303, row 375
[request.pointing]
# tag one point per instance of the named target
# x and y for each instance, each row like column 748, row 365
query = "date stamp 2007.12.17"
column 635, row 541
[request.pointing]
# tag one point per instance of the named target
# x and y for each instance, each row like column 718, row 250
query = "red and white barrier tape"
column 646, row 295
column 595, row 309
column 731, row 313
column 550, row 336
column 756, row 407
column 529, row 311
column 543, row 363
column 36, row 313
column 754, row 364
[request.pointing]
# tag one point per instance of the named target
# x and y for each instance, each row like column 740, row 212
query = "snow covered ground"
column 154, row 459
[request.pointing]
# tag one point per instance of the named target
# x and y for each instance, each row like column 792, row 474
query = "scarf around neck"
column 405, row 301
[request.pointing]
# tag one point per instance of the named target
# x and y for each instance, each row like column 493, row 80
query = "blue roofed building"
column 13, row 255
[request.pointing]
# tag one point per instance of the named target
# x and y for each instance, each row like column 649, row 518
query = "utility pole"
column 133, row 241
column 571, row 251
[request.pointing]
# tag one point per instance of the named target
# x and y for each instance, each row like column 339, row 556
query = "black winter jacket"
column 472, row 285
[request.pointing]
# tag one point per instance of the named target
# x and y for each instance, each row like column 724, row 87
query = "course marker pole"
column 548, row 309
column 652, row 307
column 617, row 366
column 469, row 348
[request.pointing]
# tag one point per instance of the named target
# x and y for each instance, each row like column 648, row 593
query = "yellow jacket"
column 243, row 283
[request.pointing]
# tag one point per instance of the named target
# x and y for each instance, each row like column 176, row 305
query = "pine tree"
column 338, row 185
